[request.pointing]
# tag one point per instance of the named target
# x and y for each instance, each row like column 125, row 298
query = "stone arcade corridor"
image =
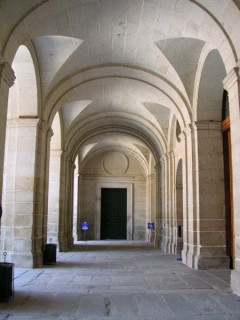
column 141, row 96
column 120, row 282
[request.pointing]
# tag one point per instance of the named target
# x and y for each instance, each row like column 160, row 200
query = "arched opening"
column 110, row 167
column 19, row 161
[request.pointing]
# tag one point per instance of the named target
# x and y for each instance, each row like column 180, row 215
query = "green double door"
column 113, row 213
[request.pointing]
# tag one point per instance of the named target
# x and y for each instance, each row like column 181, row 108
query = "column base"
column 205, row 262
column 66, row 244
column 21, row 260
column 165, row 245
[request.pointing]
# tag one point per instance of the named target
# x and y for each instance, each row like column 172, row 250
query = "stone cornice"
column 201, row 125
column 44, row 126
column 7, row 74
column 208, row 125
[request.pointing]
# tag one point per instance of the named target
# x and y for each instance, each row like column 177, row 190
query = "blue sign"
column 150, row 225
column 84, row 225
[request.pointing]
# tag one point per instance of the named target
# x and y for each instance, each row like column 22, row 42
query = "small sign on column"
column 85, row 227
column 151, row 229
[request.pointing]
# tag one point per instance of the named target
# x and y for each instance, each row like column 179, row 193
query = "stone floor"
column 122, row 282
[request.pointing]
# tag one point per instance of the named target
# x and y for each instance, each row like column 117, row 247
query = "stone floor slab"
column 120, row 283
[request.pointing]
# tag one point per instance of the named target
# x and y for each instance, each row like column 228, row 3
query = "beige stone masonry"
column 53, row 196
column 19, row 189
column 204, row 243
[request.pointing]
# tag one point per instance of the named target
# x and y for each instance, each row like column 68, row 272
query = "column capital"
column 150, row 176
column 181, row 136
column 162, row 160
column 6, row 73
column 166, row 157
column 189, row 129
column 158, row 165
column 171, row 154
column 45, row 127
column 231, row 77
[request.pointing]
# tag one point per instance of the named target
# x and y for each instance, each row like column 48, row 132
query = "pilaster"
column 66, row 179
column 159, row 200
column 232, row 85
column 75, row 206
column 189, row 200
column 53, row 201
column 7, row 78
column 167, row 182
column 44, row 134
column 210, row 225
column 19, row 195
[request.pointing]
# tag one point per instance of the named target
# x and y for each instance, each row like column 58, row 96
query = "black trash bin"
column 6, row 280
column 49, row 253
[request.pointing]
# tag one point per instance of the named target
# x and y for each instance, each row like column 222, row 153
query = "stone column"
column 204, row 246
column 79, row 208
column 190, row 196
column 75, row 206
column 63, row 205
column 7, row 78
column 172, row 247
column 232, row 85
column 150, row 212
column 23, row 220
column 167, row 244
column 210, row 227
column 159, row 216
column 66, row 202
column 40, row 211
column 70, row 239
column 185, row 238
column 53, row 199
column 162, row 184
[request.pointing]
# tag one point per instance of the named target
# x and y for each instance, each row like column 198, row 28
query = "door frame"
column 120, row 185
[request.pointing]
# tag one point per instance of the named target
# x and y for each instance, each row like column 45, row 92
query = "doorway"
column 114, row 213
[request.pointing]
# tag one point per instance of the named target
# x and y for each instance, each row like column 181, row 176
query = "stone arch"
column 167, row 93
column 72, row 152
column 101, row 170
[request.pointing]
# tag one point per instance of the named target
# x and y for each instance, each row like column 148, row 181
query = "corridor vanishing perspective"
column 122, row 117
column 121, row 282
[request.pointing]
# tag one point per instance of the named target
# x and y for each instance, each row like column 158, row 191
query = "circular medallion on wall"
column 115, row 163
